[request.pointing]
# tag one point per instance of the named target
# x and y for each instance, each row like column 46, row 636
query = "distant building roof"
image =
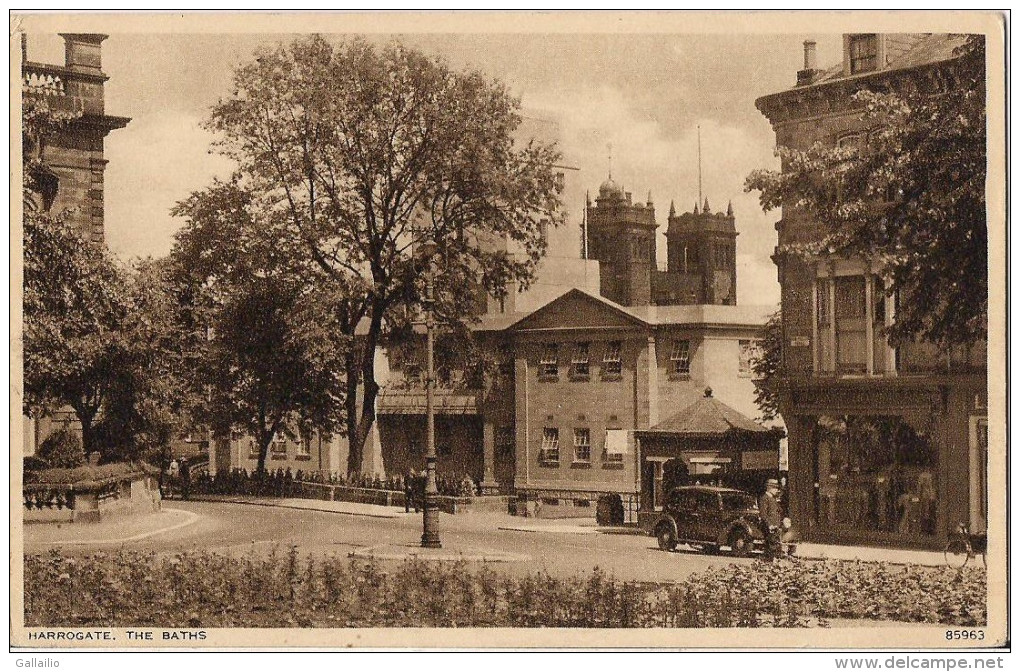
column 692, row 315
column 708, row 417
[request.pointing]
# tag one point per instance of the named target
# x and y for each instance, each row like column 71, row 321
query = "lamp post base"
column 430, row 523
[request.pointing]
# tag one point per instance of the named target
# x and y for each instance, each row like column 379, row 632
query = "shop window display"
column 875, row 474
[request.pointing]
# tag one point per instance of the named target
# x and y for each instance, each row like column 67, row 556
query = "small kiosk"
column 708, row 443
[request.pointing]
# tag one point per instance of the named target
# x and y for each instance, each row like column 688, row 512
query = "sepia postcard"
column 509, row 330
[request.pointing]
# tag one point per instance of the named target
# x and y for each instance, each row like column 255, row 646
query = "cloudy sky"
column 645, row 94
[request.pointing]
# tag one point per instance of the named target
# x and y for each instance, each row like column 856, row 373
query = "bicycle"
column 962, row 546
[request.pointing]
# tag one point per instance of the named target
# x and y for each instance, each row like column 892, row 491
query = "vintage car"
column 708, row 518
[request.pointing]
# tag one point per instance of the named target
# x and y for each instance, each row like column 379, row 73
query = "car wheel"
column 740, row 543
column 664, row 535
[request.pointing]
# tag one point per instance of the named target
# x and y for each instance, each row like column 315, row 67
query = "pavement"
column 345, row 508
column 115, row 530
column 121, row 530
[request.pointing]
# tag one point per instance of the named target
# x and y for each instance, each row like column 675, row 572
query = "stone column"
column 489, row 484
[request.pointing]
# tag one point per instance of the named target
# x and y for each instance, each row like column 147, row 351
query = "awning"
column 401, row 402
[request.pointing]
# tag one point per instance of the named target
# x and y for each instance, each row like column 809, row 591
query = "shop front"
column 897, row 467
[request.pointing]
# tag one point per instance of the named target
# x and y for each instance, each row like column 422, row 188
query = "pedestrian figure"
column 419, row 490
column 173, row 473
column 409, row 499
column 771, row 519
column 185, row 479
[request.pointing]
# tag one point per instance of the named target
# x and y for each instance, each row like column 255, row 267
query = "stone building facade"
column 74, row 154
column 886, row 445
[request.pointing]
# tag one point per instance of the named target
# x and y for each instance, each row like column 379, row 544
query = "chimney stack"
column 809, row 54
column 807, row 75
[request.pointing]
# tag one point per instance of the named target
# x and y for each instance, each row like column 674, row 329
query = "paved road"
column 237, row 528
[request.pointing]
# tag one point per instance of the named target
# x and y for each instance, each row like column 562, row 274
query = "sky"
column 643, row 94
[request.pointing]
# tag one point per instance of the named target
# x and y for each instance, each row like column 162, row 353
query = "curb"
column 549, row 530
column 381, row 552
column 390, row 516
column 190, row 518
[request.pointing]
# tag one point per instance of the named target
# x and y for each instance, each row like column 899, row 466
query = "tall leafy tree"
column 268, row 358
column 911, row 198
column 352, row 157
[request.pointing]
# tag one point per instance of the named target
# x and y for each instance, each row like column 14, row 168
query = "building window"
column 850, row 304
column 611, row 362
column 279, row 448
column 750, row 352
column 304, row 447
column 579, row 363
column 550, row 452
column 548, row 366
column 505, row 441
column 863, row 53
column 874, row 474
column 582, row 445
column 680, row 358
column 253, row 450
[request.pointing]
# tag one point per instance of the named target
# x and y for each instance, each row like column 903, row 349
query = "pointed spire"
column 649, row 201
column 587, row 198
column 729, row 209
column 672, row 209
column 705, row 209
column 696, row 212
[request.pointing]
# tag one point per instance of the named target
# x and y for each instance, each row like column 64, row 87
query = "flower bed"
column 204, row 589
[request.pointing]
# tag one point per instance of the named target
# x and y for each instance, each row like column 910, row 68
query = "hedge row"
column 203, row 589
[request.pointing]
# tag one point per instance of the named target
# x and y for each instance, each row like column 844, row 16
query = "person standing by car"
column 771, row 519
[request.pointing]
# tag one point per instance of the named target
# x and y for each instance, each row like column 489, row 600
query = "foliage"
column 149, row 400
column 75, row 307
column 768, row 366
column 201, row 589
column 62, row 449
column 269, row 358
column 39, row 123
column 351, row 157
column 86, row 473
column 911, row 199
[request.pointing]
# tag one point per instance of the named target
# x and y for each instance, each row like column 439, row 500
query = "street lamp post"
column 430, row 515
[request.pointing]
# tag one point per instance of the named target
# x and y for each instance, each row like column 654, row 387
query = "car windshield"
column 738, row 501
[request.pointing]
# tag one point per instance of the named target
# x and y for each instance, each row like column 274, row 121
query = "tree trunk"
column 265, row 437
column 370, row 389
column 87, row 419
column 355, row 450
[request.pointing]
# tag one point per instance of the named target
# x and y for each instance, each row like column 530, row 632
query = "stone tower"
column 621, row 236
column 701, row 251
column 74, row 155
